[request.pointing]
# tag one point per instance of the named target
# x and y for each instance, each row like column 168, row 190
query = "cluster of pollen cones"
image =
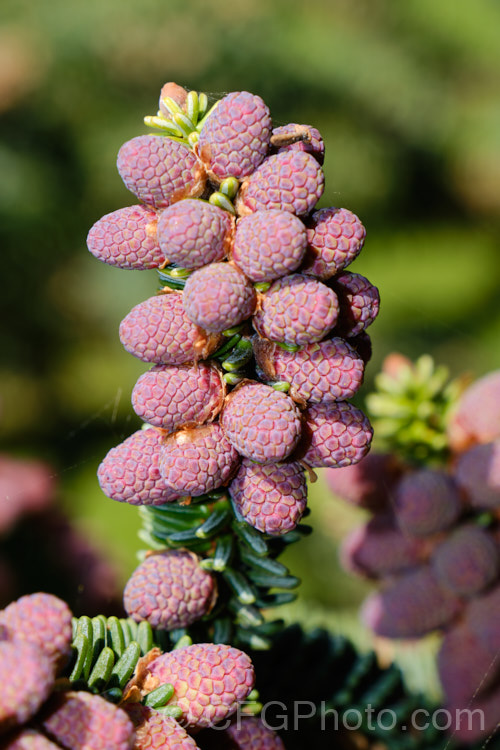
column 433, row 542
column 257, row 338
column 202, row 685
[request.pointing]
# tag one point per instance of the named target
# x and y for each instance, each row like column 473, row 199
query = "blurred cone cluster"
column 433, row 539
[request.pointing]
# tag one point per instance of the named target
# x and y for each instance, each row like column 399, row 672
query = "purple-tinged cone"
column 192, row 233
column 218, row 296
column 359, row 302
column 318, row 373
column 235, row 137
column 160, row 171
column 127, row 239
column 174, row 396
column 130, row 472
column 334, row 435
column 155, row 731
column 296, row 310
column 271, row 498
column 83, row 721
column 158, row 330
column 477, row 416
column 268, row 245
column 169, row 590
column 477, row 473
column 335, row 237
column 42, row 620
column 483, row 618
column 210, row 681
column 198, row 460
column 426, row 501
column 467, row 561
column 465, row 665
column 263, row 424
column 410, row 607
column 291, row 181
column 175, row 92
column 378, row 548
column 26, row 679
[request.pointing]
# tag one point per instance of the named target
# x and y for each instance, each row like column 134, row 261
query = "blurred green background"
column 407, row 97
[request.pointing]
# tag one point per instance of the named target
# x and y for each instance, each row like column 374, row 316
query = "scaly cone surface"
column 256, row 338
